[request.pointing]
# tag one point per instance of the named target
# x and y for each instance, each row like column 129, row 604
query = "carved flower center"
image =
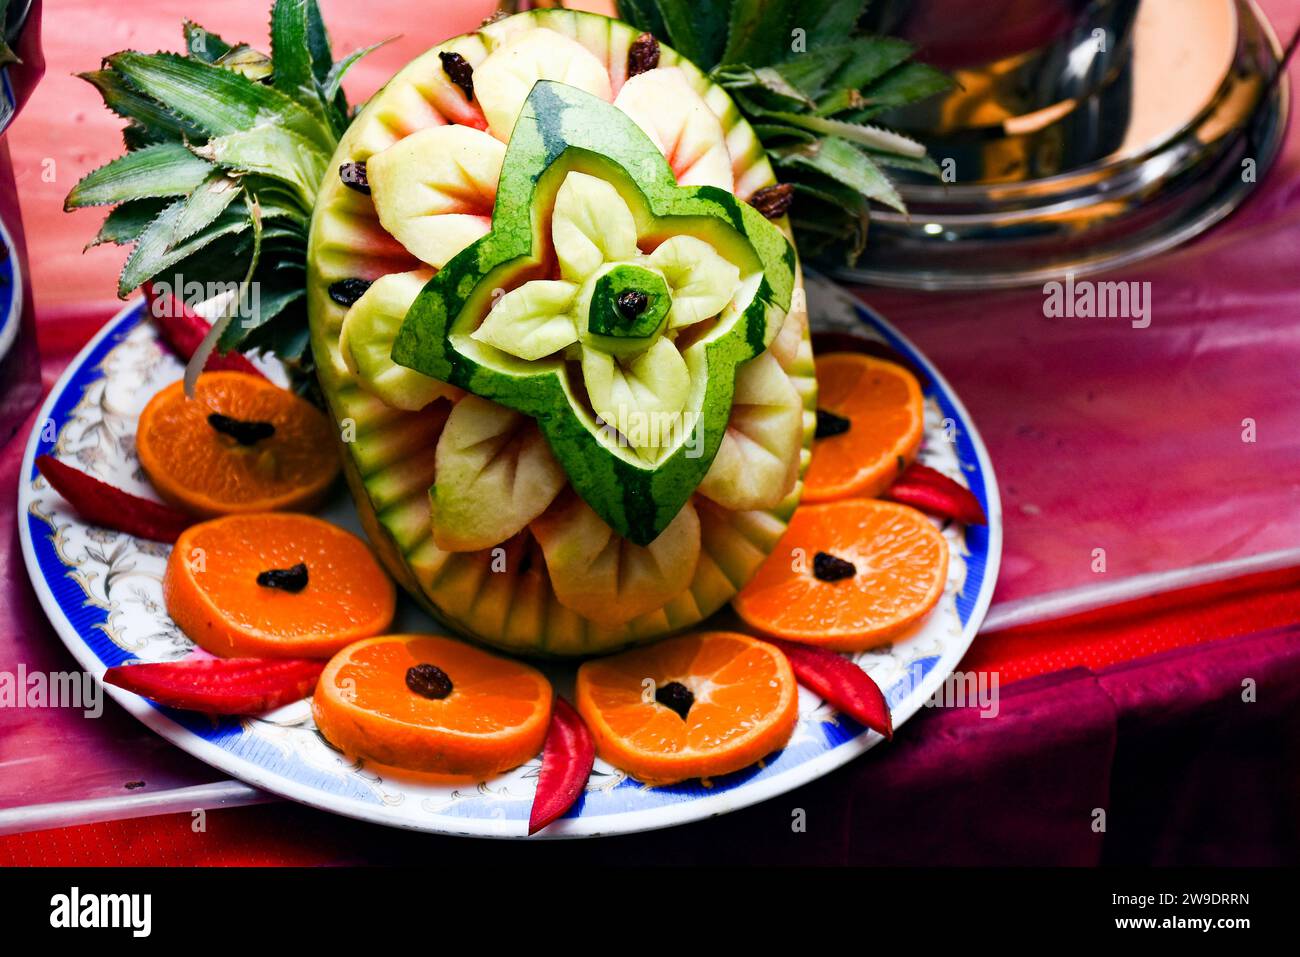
column 628, row 308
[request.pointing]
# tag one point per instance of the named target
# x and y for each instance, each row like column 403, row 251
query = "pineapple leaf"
column 274, row 152
column 808, row 79
column 318, row 41
column 155, row 253
column 333, row 83
column 765, row 81
column 165, row 169
column 920, row 164
column 810, row 72
column 906, row 84
column 203, row 45
column 774, row 133
column 644, row 15
column 827, row 21
column 203, row 206
column 157, row 122
column 698, row 31
column 220, row 101
column 871, row 61
column 125, row 223
column 759, row 31
column 872, row 137
column 843, row 162
column 290, row 49
column 271, row 301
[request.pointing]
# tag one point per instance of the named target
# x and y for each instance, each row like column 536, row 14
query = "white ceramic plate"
column 102, row 590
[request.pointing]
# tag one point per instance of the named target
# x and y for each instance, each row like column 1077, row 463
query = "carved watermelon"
column 570, row 363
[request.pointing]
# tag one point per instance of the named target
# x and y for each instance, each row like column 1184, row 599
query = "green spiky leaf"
column 158, row 123
column 290, row 50
column 202, row 44
column 274, row 152
column 696, row 30
column 219, row 101
column 758, row 31
column 844, row 163
column 124, row 224
column 810, row 82
column 165, row 169
column 222, row 123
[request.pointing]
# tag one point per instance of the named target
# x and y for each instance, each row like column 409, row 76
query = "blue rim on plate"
column 283, row 754
column 11, row 293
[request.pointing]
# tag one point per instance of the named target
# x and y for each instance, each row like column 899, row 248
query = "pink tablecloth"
column 1103, row 436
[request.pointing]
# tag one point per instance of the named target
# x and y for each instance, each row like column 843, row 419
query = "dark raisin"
column 428, row 681
column 632, row 303
column 829, row 568
column 642, row 55
column 458, row 71
column 242, row 431
column 828, row 424
column 347, row 291
column 286, row 579
column 353, row 176
column 132, row 785
column 675, row 696
column 773, row 201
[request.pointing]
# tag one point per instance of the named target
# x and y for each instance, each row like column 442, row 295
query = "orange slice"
column 897, row 564
column 476, row 714
column 738, row 696
column 885, row 413
column 213, row 592
column 281, row 454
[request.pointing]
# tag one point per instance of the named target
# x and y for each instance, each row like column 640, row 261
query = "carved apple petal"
column 533, row 321
column 702, row 282
column 643, row 396
column 494, row 474
column 607, row 578
column 678, row 121
column 758, row 461
column 433, row 191
column 591, row 226
column 503, row 81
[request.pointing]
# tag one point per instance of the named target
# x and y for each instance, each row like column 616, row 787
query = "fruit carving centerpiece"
column 568, row 357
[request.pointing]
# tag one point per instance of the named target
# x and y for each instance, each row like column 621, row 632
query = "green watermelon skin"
column 389, row 453
column 557, row 132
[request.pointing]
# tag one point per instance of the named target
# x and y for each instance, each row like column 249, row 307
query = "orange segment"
column 886, row 416
column 900, row 565
column 197, row 467
column 494, row 718
column 744, row 707
column 212, row 591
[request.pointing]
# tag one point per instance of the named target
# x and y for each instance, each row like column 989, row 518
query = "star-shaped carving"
column 609, row 304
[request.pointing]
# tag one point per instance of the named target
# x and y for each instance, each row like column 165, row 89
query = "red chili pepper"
column 840, row 682
column 103, row 504
column 935, row 494
column 220, row 685
column 183, row 330
column 566, row 765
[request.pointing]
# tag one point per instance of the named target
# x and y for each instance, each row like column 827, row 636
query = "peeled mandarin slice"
column 882, row 407
column 848, row 575
column 213, row 592
column 737, row 694
column 268, row 449
column 470, row 714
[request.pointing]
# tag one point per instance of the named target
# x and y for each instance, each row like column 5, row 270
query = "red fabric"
column 1145, row 627
column 1057, row 690
column 1077, row 705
